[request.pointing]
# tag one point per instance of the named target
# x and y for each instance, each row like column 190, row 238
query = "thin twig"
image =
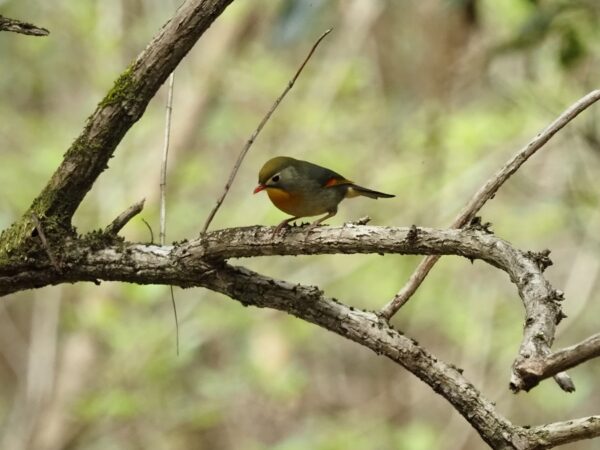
column 256, row 132
column 163, row 167
column 149, row 229
column 487, row 191
column 176, row 319
column 17, row 26
column 163, row 192
column 122, row 219
column 40, row 230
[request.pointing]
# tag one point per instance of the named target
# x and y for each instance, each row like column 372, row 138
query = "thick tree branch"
column 178, row 266
column 153, row 264
column 486, row 192
column 123, row 106
column 532, row 371
column 541, row 302
column 17, row 26
column 200, row 263
column 367, row 329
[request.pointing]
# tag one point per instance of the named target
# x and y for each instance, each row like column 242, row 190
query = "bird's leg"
column 318, row 221
column 282, row 225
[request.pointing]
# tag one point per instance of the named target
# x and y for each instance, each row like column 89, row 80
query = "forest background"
column 422, row 99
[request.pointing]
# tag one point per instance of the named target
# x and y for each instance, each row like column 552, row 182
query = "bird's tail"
column 355, row 191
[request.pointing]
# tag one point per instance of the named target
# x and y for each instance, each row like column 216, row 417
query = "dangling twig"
column 163, row 191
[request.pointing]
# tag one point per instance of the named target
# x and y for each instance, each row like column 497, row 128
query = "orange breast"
column 285, row 201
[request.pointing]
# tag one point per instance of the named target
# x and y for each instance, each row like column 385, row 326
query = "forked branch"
column 200, row 263
column 541, row 301
column 534, row 370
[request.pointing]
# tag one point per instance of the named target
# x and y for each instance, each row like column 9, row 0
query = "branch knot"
column 413, row 235
column 477, row 224
column 541, row 259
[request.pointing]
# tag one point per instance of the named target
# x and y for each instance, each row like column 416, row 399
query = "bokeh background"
column 424, row 99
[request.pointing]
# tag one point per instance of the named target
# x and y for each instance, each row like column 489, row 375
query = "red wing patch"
column 336, row 182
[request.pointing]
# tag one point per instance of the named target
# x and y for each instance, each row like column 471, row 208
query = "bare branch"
column 17, row 26
column 162, row 264
column 541, row 301
column 256, row 132
column 487, row 191
column 532, row 371
column 561, row 433
column 367, row 329
column 122, row 219
column 200, row 263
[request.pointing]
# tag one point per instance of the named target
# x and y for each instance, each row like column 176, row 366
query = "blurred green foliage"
column 422, row 99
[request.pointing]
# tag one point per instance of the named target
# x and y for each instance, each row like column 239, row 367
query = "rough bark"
column 202, row 263
column 531, row 371
column 153, row 264
column 18, row 26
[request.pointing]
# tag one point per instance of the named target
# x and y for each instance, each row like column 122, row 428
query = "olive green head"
column 272, row 167
column 278, row 173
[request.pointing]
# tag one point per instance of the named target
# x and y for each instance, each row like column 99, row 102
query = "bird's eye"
column 275, row 179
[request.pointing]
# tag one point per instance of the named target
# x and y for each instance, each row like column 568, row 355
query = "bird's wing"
column 325, row 177
column 336, row 181
column 329, row 178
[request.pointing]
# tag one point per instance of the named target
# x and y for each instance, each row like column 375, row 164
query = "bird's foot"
column 281, row 226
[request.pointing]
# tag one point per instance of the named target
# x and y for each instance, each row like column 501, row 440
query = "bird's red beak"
column 259, row 188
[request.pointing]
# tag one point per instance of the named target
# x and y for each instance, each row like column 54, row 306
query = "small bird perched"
column 303, row 189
